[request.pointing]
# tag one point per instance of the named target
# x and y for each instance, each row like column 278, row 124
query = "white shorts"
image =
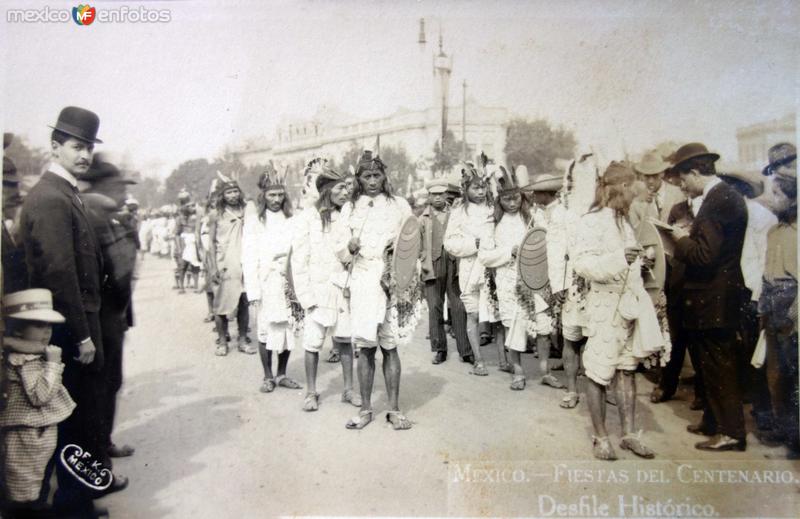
column 386, row 338
column 314, row 333
column 277, row 336
column 518, row 332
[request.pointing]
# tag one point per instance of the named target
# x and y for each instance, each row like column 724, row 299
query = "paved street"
column 209, row 444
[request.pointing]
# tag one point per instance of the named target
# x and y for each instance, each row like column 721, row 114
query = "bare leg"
column 366, row 376
column 243, row 316
column 221, row 324
column 311, row 361
column 625, row 391
column 474, row 335
column 500, row 342
column 596, row 395
column 571, row 364
column 516, row 362
column 283, row 361
column 543, row 345
column 391, row 374
column 346, row 358
column 266, row 359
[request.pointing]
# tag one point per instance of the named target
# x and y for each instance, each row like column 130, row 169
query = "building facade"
column 755, row 140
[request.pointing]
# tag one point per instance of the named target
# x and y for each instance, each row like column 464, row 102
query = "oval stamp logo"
column 86, row 468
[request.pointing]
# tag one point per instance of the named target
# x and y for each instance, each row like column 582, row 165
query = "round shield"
column 532, row 259
column 650, row 240
column 407, row 246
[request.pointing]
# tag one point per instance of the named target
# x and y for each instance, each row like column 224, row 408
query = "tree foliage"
column 537, row 144
column 448, row 155
column 398, row 164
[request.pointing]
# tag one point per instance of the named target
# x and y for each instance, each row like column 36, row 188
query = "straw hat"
column 34, row 304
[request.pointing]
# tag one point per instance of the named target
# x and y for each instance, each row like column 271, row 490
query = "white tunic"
column 265, row 253
column 317, row 273
column 376, row 221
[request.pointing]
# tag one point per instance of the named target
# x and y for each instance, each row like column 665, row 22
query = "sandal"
column 362, row 420
column 479, row 369
column 268, row 386
column 333, row 357
column 351, row 397
column 288, row 383
column 570, row 400
column 550, row 380
column 633, row 443
column 602, row 450
column 400, row 422
column 505, row 367
column 311, row 402
column 246, row 346
column 222, row 350
column 518, row 383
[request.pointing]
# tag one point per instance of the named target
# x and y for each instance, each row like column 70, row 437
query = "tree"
column 146, row 191
column 537, row 145
column 194, row 175
column 29, row 161
column 447, row 156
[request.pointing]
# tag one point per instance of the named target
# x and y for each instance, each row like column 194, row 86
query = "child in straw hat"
column 37, row 400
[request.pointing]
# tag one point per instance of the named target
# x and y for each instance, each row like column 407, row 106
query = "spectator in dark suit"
column 62, row 255
column 681, row 215
column 104, row 198
column 15, row 275
column 713, row 290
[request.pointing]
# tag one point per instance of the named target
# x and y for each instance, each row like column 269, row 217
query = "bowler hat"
column 34, row 304
column 651, row 164
column 692, row 150
column 79, row 123
column 754, row 183
column 101, row 170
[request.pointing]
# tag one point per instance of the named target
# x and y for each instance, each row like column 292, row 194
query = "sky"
column 622, row 75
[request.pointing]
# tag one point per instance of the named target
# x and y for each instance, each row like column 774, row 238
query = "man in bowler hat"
column 713, row 291
column 63, row 255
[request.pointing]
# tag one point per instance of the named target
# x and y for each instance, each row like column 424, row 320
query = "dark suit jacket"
column 713, row 285
column 15, row 274
column 426, row 227
column 62, row 253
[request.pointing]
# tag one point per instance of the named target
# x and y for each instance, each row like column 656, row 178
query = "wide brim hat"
column 79, row 123
column 756, row 184
column 780, row 155
column 34, row 304
column 100, row 170
column 437, row 186
column 692, row 150
column 546, row 182
column 651, row 164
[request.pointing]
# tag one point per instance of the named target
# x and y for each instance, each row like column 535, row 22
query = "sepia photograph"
column 411, row 258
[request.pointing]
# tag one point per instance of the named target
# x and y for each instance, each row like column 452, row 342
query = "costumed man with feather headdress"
column 469, row 229
column 620, row 320
column 225, row 265
column 369, row 227
column 522, row 312
column 566, row 295
column 266, row 247
column 319, row 279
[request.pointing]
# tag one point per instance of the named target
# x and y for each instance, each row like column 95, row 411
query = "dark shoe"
column 439, row 357
column 697, row 404
column 120, row 452
column 770, row 438
column 485, row 339
column 658, row 395
column 469, row 359
column 721, row 442
column 700, row 429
